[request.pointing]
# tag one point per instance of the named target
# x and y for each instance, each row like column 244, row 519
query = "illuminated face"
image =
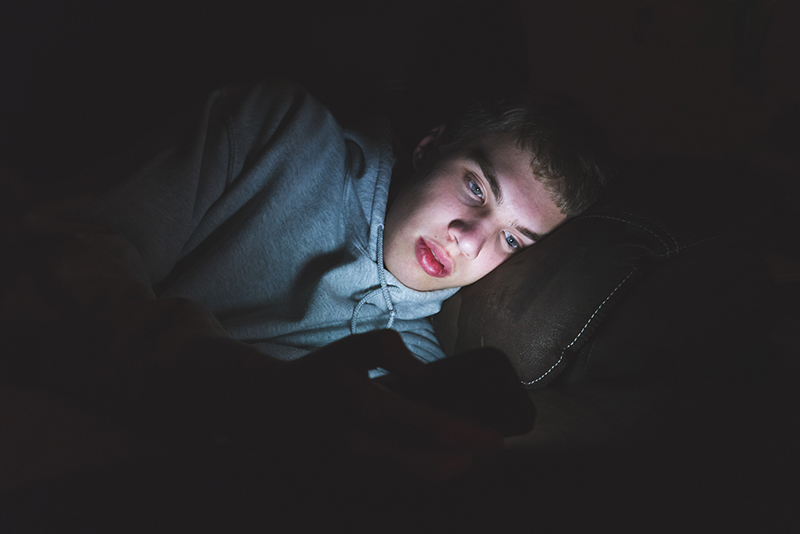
column 473, row 210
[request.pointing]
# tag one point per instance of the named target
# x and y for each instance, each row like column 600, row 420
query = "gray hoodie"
column 271, row 216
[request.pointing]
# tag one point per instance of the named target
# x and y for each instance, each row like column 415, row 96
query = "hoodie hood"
column 371, row 187
column 272, row 218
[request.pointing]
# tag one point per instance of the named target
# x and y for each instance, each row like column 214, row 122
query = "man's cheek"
column 478, row 271
column 495, row 262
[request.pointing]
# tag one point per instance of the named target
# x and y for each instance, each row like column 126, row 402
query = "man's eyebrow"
column 488, row 171
column 533, row 236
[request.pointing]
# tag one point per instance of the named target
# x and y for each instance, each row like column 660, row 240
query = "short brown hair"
column 570, row 154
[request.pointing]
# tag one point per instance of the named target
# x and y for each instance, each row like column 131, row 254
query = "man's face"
column 474, row 210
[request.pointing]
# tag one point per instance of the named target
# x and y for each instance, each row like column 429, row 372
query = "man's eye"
column 512, row 242
column 475, row 189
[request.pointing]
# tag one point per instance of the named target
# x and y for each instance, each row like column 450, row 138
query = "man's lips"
column 433, row 259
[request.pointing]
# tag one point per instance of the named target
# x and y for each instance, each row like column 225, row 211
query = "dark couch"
column 640, row 327
column 665, row 280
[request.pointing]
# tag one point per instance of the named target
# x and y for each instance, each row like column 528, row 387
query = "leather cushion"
column 543, row 306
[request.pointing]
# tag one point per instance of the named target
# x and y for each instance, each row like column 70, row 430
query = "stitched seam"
column 646, row 229
column 701, row 242
column 677, row 245
column 585, row 326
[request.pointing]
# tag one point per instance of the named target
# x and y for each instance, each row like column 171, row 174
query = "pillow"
column 670, row 220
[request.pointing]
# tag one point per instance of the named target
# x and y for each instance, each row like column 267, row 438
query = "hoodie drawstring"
column 384, row 289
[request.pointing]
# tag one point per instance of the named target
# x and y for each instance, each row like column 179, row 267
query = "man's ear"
column 429, row 142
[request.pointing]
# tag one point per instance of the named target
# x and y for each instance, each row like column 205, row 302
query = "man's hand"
column 326, row 399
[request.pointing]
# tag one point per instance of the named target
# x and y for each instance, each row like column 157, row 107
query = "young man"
column 224, row 280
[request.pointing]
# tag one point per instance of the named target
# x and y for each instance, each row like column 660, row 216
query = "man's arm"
column 170, row 357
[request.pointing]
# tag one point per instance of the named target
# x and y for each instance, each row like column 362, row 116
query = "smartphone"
column 480, row 384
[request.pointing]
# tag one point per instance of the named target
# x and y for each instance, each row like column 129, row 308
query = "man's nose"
column 470, row 236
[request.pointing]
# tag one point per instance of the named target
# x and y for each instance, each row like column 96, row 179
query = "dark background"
column 81, row 80
column 678, row 77
column 84, row 77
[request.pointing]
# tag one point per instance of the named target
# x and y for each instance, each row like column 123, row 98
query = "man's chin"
column 430, row 283
column 413, row 276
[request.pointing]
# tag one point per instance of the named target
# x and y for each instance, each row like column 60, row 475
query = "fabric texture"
column 266, row 221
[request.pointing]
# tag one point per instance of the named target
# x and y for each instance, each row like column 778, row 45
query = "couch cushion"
column 546, row 305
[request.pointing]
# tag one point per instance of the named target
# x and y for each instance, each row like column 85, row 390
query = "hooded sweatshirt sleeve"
column 160, row 208
column 113, row 250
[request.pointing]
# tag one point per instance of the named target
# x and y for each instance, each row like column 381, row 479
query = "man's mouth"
column 430, row 262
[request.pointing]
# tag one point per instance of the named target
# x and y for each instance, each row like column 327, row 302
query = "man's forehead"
column 500, row 155
column 506, row 167
column 500, row 149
